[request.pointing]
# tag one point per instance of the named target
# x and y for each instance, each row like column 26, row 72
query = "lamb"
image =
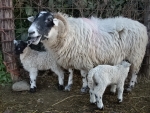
column 83, row 43
column 33, row 61
column 102, row 76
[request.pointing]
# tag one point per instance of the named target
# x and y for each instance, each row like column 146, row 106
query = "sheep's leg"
column 84, row 80
column 70, row 80
column 60, row 73
column 113, row 89
column 135, row 66
column 120, row 88
column 132, row 82
column 92, row 96
column 33, row 76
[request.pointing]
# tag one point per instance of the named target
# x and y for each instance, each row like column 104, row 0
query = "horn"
column 62, row 18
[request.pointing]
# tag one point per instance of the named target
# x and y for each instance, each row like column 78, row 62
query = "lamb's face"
column 41, row 26
column 19, row 46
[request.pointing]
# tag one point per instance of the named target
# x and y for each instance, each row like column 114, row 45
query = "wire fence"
column 136, row 9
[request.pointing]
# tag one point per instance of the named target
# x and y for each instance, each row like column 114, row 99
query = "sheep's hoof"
column 68, row 87
column 33, row 90
column 129, row 89
column 119, row 101
column 101, row 108
column 112, row 93
column 85, row 89
column 93, row 103
column 60, row 87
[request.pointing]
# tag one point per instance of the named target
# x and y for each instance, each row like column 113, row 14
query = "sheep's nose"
column 30, row 33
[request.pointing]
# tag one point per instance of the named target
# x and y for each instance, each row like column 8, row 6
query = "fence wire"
column 136, row 9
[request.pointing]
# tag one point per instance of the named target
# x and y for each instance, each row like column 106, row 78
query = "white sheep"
column 83, row 43
column 33, row 61
column 102, row 76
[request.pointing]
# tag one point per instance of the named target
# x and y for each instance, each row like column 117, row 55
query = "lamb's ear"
column 55, row 21
column 128, row 64
column 31, row 18
column 15, row 42
column 29, row 42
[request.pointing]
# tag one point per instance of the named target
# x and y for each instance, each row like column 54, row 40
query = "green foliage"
column 75, row 8
column 4, row 76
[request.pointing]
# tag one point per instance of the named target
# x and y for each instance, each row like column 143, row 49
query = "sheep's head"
column 20, row 46
column 44, row 25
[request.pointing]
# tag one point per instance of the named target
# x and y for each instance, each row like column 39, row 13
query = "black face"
column 41, row 25
column 20, row 46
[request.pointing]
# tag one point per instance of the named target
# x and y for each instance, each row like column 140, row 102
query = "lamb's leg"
column 60, row 73
column 92, row 96
column 113, row 89
column 132, row 82
column 99, row 91
column 70, row 80
column 120, row 88
column 33, row 76
column 84, row 80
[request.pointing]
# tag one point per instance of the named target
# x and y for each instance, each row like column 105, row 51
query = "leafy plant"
column 5, row 77
column 75, row 8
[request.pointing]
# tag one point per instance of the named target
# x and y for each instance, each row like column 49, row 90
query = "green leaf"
column 29, row 10
column 50, row 3
column 2, row 73
column 35, row 13
column 24, row 36
column 20, row 30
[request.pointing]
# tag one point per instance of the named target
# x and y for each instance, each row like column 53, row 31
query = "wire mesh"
column 136, row 9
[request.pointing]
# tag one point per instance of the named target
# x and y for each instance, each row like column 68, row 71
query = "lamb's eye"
column 49, row 19
column 18, row 48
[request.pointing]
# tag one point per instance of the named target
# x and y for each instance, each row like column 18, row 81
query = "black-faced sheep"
column 102, row 76
column 83, row 43
column 33, row 61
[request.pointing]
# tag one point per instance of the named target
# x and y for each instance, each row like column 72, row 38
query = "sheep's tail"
column 91, row 80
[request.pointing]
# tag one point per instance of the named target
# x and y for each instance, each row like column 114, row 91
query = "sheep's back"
column 101, row 41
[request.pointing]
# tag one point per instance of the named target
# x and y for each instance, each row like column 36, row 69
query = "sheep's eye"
column 18, row 48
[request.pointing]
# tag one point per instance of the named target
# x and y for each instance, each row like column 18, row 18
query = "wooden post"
column 7, row 35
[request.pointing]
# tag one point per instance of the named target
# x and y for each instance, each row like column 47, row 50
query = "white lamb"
column 102, row 76
column 83, row 43
column 33, row 61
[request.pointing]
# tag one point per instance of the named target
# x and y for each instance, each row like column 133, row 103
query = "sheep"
column 33, row 61
column 83, row 43
column 103, row 75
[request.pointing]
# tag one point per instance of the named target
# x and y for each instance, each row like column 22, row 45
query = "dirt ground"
column 48, row 99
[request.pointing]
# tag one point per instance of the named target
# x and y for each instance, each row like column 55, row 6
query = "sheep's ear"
column 15, row 42
column 55, row 21
column 31, row 18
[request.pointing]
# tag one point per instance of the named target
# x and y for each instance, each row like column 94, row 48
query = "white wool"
column 102, row 76
column 39, row 60
column 33, row 61
column 85, row 43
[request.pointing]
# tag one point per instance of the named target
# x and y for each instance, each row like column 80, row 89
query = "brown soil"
column 48, row 99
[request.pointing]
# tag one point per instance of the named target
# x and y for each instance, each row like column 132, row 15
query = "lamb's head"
column 20, row 46
column 126, row 65
column 45, row 25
